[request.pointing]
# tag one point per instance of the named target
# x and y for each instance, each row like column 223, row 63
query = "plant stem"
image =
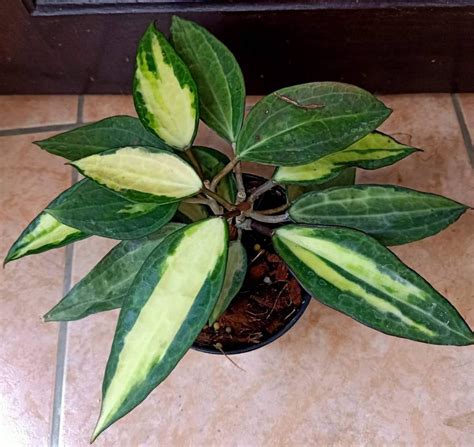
column 276, row 210
column 262, row 229
column 241, row 194
column 227, row 168
column 264, row 187
column 268, row 219
column 251, row 225
column 228, row 206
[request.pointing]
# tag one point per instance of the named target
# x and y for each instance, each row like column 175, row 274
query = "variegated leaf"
column 164, row 92
column 346, row 177
column 142, row 174
column 96, row 210
column 374, row 151
column 44, row 233
column 167, row 305
column 353, row 273
column 299, row 124
column 106, row 285
column 392, row 214
column 234, row 278
column 217, row 74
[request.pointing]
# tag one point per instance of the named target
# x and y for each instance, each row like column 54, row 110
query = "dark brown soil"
column 269, row 298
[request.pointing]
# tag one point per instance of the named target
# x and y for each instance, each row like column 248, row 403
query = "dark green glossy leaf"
column 345, row 178
column 190, row 212
column 212, row 162
column 142, row 174
column 236, row 270
column 353, row 273
column 217, row 74
column 374, row 151
column 117, row 131
column 392, row 214
column 106, row 285
column 164, row 92
column 297, row 125
column 45, row 233
column 167, row 305
column 95, row 210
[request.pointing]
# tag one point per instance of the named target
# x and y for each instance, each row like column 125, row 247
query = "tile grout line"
column 28, row 130
column 80, row 109
column 61, row 353
column 463, row 126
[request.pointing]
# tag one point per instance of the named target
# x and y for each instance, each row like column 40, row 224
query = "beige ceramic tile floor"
column 329, row 381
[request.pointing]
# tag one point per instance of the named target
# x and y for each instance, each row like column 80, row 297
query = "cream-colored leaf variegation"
column 165, row 94
column 353, row 273
column 167, row 306
column 43, row 233
column 142, row 174
column 373, row 151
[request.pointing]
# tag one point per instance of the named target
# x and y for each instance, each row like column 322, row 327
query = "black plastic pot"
column 270, row 199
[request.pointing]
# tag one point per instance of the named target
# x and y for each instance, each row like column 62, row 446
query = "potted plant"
column 204, row 246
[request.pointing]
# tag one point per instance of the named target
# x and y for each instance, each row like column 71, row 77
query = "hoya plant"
column 181, row 211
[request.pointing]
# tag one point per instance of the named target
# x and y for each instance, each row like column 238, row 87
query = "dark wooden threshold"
column 84, row 46
column 66, row 7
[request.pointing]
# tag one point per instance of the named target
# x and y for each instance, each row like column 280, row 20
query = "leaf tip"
column 99, row 428
column 46, row 318
column 39, row 143
column 11, row 256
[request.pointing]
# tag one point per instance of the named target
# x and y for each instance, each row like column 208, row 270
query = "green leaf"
column 374, row 151
column 391, row 214
column 164, row 92
column 44, row 233
column 212, row 162
column 190, row 212
column 106, row 285
column 117, row 131
column 165, row 309
column 297, row 125
column 353, row 273
column 234, row 278
column 142, row 174
column 344, row 178
column 217, row 74
column 96, row 210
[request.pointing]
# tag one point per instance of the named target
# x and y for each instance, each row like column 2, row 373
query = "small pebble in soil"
column 228, row 329
column 218, row 345
column 216, row 326
column 267, row 280
column 257, row 247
